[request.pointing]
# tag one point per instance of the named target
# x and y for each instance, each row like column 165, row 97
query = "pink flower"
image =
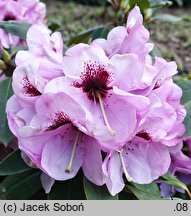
column 31, row 12
column 141, row 161
column 130, row 39
column 31, row 83
column 40, row 63
column 163, row 122
column 67, row 109
column 100, row 85
column 44, row 50
column 54, row 133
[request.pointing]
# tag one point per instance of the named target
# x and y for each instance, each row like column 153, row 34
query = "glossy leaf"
column 15, row 28
column 145, row 191
column 94, row 192
column 71, row 189
column 100, row 33
column 5, row 93
column 170, row 179
column 168, row 18
column 156, row 52
column 142, row 4
column 86, row 36
column 21, row 186
column 179, row 3
column 13, row 164
column 160, row 3
column 185, row 85
column 187, row 120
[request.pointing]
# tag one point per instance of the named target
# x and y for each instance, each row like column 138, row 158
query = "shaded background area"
column 173, row 39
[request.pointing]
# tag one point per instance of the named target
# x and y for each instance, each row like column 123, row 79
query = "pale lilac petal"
column 82, row 53
column 57, row 153
column 128, row 70
column 47, row 182
column 135, row 41
column 92, row 165
column 30, row 84
column 50, row 105
column 135, row 18
column 103, row 44
column 139, row 102
column 145, row 161
column 26, row 159
column 113, row 170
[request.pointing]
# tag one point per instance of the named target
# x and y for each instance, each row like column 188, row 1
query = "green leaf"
column 179, row 3
column 21, row 186
column 68, row 190
column 156, row 52
column 94, row 192
column 86, row 36
column 160, row 3
column 142, row 4
column 16, row 28
column 145, row 191
column 168, row 18
column 5, row 93
column 170, row 179
column 185, row 85
column 187, row 120
column 13, row 164
column 100, row 33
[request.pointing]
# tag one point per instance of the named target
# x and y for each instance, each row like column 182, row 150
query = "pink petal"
column 113, row 170
column 57, row 153
column 92, row 165
column 146, row 161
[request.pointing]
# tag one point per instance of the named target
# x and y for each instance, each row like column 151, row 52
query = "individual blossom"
column 54, row 134
column 40, row 63
column 103, row 86
column 146, row 156
column 163, row 122
column 140, row 161
column 45, row 50
column 130, row 39
column 27, row 11
column 34, row 11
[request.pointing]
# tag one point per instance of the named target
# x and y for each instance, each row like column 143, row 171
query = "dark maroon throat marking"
column 95, row 79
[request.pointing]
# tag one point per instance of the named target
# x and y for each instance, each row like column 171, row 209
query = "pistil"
column 124, row 168
column 69, row 167
column 113, row 132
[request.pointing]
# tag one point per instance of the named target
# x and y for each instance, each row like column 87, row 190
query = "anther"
column 129, row 179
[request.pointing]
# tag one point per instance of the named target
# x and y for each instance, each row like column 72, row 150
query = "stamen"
column 113, row 132
column 124, row 168
column 10, row 39
column 69, row 167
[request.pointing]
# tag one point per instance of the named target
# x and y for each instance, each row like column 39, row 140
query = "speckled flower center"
column 95, row 78
column 9, row 16
column 29, row 88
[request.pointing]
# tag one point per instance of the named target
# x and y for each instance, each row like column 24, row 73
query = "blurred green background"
column 170, row 27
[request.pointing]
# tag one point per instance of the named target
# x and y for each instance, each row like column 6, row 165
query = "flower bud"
column 2, row 65
column 6, row 57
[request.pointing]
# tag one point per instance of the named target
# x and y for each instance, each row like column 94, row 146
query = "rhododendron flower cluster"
column 29, row 11
column 104, row 107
